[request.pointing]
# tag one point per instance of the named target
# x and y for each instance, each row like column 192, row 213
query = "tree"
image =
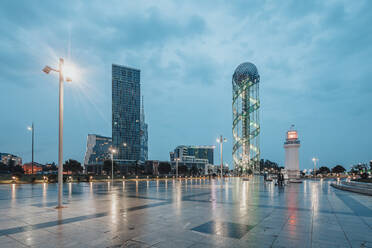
column 50, row 167
column 73, row 166
column 338, row 169
column 164, row 168
column 268, row 165
column 182, row 169
column 107, row 166
column 194, row 170
column 359, row 168
column 323, row 170
column 4, row 168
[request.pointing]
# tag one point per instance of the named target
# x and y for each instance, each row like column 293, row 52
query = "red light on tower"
column 292, row 135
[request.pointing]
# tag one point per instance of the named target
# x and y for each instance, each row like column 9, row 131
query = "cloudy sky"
column 314, row 59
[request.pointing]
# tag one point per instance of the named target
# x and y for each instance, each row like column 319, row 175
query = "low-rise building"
column 37, row 168
column 193, row 156
column 10, row 159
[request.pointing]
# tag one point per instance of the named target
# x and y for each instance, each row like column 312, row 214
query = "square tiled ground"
column 192, row 213
column 227, row 229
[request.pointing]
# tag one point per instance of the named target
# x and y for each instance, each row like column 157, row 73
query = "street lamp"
column 221, row 140
column 177, row 159
column 47, row 70
column 32, row 130
column 113, row 150
column 314, row 161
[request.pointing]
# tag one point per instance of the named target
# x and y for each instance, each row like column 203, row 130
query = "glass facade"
column 126, row 124
column 191, row 153
column 97, row 149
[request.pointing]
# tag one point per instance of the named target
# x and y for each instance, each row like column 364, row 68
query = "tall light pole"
column 47, row 70
column 177, row 159
column 32, row 128
column 221, row 140
column 315, row 160
column 113, row 150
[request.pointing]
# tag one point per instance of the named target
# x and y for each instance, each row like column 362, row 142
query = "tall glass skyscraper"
column 126, row 126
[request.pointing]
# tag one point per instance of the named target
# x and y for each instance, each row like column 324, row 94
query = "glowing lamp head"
column 47, row 69
column 292, row 135
column 70, row 72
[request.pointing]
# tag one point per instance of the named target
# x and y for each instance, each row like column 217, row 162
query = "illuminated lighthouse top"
column 292, row 136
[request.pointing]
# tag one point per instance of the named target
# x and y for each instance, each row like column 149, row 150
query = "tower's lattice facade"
column 246, row 122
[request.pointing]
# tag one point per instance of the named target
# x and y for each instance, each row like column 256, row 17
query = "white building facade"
column 291, row 146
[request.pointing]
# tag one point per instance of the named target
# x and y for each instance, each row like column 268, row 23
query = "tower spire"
column 142, row 111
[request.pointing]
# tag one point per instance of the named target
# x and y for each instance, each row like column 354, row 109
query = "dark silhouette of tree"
column 72, row 166
column 359, row 168
column 50, row 167
column 107, row 166
column 4, row 168
column 164, row 168
column 182, row 169
column 194, row 170
column 323, row 170
column 338, row 169
column 267, row 164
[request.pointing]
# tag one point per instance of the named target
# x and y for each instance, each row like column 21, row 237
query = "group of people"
column 280, row 179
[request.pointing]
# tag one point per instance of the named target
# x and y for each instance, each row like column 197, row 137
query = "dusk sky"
column 314, row 59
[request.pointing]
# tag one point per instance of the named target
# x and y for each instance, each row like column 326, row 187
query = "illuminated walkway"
column 193, row 213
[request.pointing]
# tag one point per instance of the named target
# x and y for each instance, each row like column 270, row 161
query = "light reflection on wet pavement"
column 186, row 213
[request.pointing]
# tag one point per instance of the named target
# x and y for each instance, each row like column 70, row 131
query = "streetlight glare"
column 70, row 72
column 29, row 128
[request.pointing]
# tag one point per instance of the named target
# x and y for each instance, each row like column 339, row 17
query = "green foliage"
column 323, row 170
column 268, row 165
column 182, row 169
column 194, row 170
column 359, row 168
column 338, row 169
column 107, row 166
column 164, row 168
column 73, row 166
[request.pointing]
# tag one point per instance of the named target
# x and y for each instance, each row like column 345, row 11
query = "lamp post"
column 314, row 161
column 177, row 159
column 47, row 70
column 32, row 161
column 221, row 140
column 113, row 150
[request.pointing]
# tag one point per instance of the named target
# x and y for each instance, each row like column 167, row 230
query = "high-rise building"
column 246, row 122
column 144, row 135
column 126, row 126
column 97, row 149
column 291, row 146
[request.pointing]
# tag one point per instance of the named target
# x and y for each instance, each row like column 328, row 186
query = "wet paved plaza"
column 192, row 213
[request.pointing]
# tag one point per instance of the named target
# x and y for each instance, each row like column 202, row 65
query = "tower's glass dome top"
column 245, row 70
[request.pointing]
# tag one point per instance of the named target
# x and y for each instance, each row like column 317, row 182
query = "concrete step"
column 356, row 189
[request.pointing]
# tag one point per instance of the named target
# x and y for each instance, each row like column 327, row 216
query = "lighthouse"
column 291, row 146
